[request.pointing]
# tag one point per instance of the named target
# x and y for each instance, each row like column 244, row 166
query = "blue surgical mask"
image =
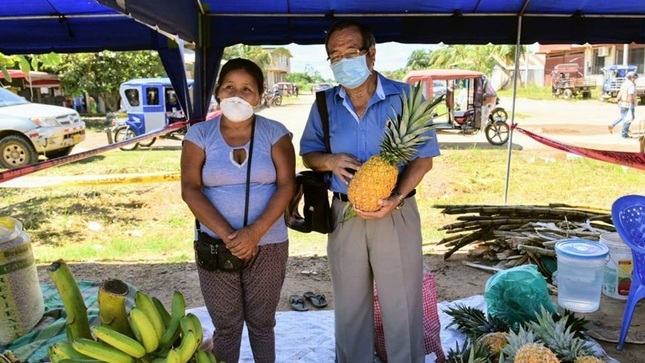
column 351, row 72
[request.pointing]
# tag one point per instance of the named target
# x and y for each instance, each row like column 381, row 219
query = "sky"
column 389, row 57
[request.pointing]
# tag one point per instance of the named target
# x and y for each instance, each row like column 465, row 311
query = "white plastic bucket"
column 21, row 300
column 581, row 265
column 618, row 271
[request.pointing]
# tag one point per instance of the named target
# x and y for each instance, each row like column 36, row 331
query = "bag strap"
column 321, row 101
column 248, row 173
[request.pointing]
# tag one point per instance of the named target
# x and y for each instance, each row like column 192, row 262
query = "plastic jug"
column 581, row 265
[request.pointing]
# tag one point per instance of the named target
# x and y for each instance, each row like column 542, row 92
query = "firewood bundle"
column 513, row 235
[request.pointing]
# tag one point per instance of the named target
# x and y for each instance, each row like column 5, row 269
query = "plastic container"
column 618, row 271
column 21, row 300
column 581, row 265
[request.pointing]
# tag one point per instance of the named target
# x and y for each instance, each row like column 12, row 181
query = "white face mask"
column 236, row 109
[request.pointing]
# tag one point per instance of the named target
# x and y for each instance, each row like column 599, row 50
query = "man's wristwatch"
column 400, row 197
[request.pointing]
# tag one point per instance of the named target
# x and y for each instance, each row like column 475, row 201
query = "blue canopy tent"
column 63, row 26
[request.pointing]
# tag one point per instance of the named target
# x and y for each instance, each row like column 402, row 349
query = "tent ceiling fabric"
column 38, row 26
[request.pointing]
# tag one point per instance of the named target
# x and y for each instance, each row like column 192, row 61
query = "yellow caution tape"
column 77, row 180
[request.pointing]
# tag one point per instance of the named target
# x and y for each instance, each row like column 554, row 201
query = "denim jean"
column 624, row 111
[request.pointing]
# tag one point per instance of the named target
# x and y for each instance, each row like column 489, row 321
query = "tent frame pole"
column 510, row 137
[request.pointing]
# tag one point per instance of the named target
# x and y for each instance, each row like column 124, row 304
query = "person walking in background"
column 626, row 103
column 382, row 246
column 214, row 186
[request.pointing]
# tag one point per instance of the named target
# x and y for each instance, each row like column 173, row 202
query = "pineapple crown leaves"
column 404, row 132
column 557, row 335
column 470, row 352
column 474, row 322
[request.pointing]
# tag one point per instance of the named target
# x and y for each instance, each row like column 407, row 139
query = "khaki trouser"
column 387, row 251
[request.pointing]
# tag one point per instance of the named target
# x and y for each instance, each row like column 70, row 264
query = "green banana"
column 79, row 360
column 165, row 315
column 112, row 311
column 77, row 322
column 172, row 332
column 143, row 329
column 145, row 304
column 178, row 305
column 120, row 341
column 211, row 356
column 64, row 350
column 101, row 351
column 187, row 347
column 201, row 356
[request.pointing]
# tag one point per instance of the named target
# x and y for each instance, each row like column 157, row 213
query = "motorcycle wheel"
column 123, row 134
column 277, row 100
column 498, row 114
column 497, row 133
column 147, row 143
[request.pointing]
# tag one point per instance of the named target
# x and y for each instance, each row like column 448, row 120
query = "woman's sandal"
column 317, row 300
column 297, row 303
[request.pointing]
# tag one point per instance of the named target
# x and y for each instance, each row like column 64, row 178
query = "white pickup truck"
column 29, row 130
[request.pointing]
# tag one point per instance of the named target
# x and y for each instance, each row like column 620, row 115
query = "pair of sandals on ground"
column 297, row 302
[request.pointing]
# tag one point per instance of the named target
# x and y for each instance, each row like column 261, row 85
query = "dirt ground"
column 582, row 123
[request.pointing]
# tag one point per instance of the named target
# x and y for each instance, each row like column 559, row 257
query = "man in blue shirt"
column 382, row 246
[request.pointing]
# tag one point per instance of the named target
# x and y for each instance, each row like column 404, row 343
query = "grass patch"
column 150, row 222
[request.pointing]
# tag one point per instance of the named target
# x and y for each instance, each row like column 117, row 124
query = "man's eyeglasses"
column 335, row 58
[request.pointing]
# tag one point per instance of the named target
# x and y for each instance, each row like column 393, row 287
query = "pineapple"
column 559, row 337
column 588, row 359
column 495, row 342
column 516, row 341
column 377, row 178
column 535, row 353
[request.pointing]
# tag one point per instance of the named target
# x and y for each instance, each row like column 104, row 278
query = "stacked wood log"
column 508, row 236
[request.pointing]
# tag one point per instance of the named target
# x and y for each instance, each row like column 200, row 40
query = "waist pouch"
column 212, row 254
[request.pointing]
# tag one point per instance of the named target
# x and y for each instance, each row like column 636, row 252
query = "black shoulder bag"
column 211, row 253
column 315, row 189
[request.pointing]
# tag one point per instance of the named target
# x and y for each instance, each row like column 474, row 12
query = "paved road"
column 581, row 123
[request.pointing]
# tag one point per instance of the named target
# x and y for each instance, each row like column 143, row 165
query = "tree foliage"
column 263, row 57
column 419, row 59
column 102, row 73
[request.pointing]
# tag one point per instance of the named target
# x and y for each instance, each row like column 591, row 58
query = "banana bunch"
column 153, row 335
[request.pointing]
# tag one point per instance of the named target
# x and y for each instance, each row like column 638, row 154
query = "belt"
column 343, row 197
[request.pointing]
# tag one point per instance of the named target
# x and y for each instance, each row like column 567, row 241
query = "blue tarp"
column 63, row 26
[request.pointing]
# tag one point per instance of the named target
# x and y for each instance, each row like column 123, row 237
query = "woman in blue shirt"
column 213, row 183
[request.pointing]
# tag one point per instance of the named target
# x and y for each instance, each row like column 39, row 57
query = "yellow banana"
column 101, row 351
column 79, row 360
column 187, row 347
column 172, row 331
column 64, row 350
column 112, row 300
column 143, row 329
column 197, row 327
column 165, row 315
column 120, row 341
column 173, row 357
column 77, row 322
column 144, row 303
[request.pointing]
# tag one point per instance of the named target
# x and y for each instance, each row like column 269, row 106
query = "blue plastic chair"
column 628, row 215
